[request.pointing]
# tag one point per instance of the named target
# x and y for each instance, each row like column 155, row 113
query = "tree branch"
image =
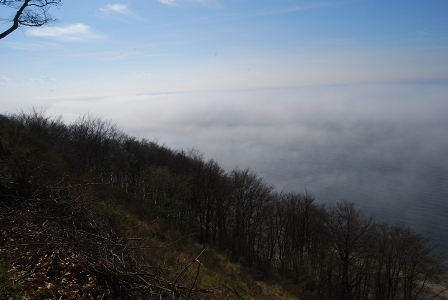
column 16, row 20
column 30, row 13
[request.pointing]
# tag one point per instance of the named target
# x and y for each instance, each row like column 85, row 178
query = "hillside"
column 88, row 212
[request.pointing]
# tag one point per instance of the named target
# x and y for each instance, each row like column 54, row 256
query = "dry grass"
column 172, row 252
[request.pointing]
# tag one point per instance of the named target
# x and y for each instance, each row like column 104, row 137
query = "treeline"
column 334, row 252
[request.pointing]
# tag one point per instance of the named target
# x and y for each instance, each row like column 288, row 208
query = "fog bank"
column 382, row 146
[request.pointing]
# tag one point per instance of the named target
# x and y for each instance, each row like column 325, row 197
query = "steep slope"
column 88, row 212
column 65, row 233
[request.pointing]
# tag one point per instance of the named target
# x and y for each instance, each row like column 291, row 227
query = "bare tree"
column 348, row 231
column 250, row 196
column 31, row 13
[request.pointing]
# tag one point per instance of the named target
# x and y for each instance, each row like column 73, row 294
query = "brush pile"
column 58, row 249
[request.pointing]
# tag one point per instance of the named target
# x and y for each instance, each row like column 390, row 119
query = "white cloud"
column 423, row 33
column 70, row 33
column 117, row 8
column 168, row 2
column 44, row 80
column 4, row 80
column 206, row 3
column 142, row 75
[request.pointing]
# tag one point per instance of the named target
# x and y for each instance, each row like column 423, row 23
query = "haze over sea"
column 381, row 146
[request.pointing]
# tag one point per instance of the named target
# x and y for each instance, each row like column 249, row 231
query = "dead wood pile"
column 58, row 249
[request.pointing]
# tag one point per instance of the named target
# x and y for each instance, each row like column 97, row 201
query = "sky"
column 345, row 99
column 101, row 48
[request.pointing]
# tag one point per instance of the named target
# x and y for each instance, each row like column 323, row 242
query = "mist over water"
column 381, row 146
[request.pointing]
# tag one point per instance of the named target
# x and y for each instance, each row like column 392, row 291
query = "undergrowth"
column 10, row 287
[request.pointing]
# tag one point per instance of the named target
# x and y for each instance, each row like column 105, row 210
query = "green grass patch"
column 9, row 287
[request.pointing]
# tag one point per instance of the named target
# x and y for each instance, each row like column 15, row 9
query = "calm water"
column 414, row 193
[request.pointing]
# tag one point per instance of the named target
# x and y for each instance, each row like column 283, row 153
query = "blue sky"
column 134, row 47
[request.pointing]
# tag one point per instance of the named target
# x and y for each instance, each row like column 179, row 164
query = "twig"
column 438, row 294
column 185, row 269
column 195, row 279
column 233, row 291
